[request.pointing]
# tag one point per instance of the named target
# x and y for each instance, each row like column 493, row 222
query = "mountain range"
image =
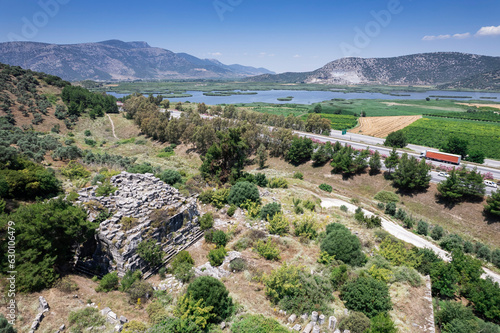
column 458, row 70
column 117, row 60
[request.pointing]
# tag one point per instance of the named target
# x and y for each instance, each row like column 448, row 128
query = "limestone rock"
column 332, row 322
column 292, row 318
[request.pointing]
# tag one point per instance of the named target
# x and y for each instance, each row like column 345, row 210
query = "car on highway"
column 490, row 183
column 443, row 174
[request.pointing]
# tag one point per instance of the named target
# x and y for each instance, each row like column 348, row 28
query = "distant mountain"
column 117, row 60
column 485, row 81
column 417, row 69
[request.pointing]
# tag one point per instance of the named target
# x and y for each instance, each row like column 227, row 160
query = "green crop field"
column 339, row 121
column 481, row 115
column 434, row 132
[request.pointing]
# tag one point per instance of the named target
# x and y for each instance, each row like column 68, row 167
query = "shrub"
column 5, row 326
column 339, row 276
column 268, row 211
column 396, row 252
column 134, row 326
column 408, row 222
column 217, row 237
column 437, row 232
column 390, row 208
column 105, row 189
column 381, row 206
column 422, row 228
column 452, row 242
column 150, row 252
column 308, row 204
column 278, row 224
column 214, row 293
column 326, row 187
column 260, row 179
column 400, row 214
column 181, row 257
column 484, row 253
column 267, row 249
column 249, row 323
column 468, row 247
column 109, row 282
column 306, row 227
column 356, row 322
column 366, row 295
column 129, row 278
column 87, row 133
column 231, row 210
column 345, row 246
column 450, row 311
column 238, row 265
column 495, row 258
column 344, row 208
column 298, row 175
column 171, row 177
column 139, row 291
column 243, row 191
column 407, row 274
column 75, row 170
column 206, row 221
column 90, row 142
column 81, row 320
column 184, row 272
column 242, row 244
column 278, row 183
column 216, row 256
column 386, row 197
column 382, row 323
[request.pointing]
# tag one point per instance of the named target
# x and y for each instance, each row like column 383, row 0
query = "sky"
column 279, row 35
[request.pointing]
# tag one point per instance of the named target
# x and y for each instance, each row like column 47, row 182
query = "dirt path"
column 380, row 127
column 403, row 234
column 112, row 126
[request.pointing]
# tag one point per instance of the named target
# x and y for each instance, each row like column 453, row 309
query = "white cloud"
column 215, row 54
column 272, row 55
column 297, row 56
column 488, row 31
column 462, row 36
column 428, row 38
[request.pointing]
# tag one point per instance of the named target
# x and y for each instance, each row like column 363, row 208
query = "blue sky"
column 276, row 34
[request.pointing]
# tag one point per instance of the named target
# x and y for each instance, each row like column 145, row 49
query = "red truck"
column 442, row 157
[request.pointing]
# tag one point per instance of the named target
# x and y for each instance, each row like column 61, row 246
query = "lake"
column 310, row 97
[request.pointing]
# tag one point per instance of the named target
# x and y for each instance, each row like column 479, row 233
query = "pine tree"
column 392, row 160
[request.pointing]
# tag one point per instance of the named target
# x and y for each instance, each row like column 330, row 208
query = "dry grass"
column 410, row 307
column 381, row 126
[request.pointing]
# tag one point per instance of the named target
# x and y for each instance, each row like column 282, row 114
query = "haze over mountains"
column 117, row 60
column 452, row 68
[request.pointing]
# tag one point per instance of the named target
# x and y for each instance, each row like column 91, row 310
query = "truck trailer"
column 441, row 157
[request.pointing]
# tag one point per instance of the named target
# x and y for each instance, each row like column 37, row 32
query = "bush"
column 339, row 276
column 267, row 249
column 5, row 326
column 81, row 320
column 484, row 253
column 344, row 208
column 184, row 272
column 450, row 311
column 171, row 177
column 400, row 214
column 382, row 323
column 268, row 211
column 105, row 189
column 306, row 227
column 437, row 232
column 386, row 197
column 214, row 293
column 75, row 170
column 243, row 191
column 216, row 256
column 396, row 252
column 217, row 237
column 326, row 187
column 345, row 246
column 495, row 258
column 278, row 183
column 308, row 204
column 422, row 228
column 468, row 247
column 356, row 322
column 452, row 242
column 139, row 291
column 407, row 274
column 298, row 175
column 150, row 252
column 87, row 133
column 134, row 326
column 181, row 257
column 408, row 222
column 238, row 265
column 390, row 208
column 129, row 278
column 396, row 139
column 260, row 179
column 206, row 221
column 366, row 295
column 231, row 210
column 249, row 323
column 278, row 224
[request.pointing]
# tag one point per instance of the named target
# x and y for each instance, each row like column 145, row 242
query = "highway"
column 359, row 141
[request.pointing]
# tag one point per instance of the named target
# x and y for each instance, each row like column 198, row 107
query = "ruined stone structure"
column 142, row 208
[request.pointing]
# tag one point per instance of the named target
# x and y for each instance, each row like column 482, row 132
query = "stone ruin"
column 142, row 208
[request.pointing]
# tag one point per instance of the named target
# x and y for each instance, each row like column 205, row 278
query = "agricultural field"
column 432, row 132
column 283, row 110
column 483, row 105
column 480, row 115
column 339, row 121
column 380, row 127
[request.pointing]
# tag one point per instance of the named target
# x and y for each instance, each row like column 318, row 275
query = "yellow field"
column 381, row 126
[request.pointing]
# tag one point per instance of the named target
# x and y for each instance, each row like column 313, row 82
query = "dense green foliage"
column 366, row 295
column 150, row 252
column 339, row 242
column 492, row 206
column 293, row 289
column 340, row 121
column 387, row 196
column 243, row 191
column 470, row 115
column 349, row 161
column 382, row 323
column 206, row 221
column 257, row 324
column 300, row 151
column 171, row 177
column 396, row 139
column 435, row 132
column 45, row 232
column 216, row 256
column 78, row 99
column 462, row 184
column 181, row 257
column 5, row 327
column 267, row 249
column 456, row 145
column 326, row 187
column 268, row 211
column 108, row 282
column 81, row 320
column 213, row 293
column 410, row 174
column 356, row 322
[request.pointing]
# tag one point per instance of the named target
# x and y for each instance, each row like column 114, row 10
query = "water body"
column 310, row 97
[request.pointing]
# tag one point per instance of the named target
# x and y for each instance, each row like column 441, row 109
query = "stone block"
column 316, row 329
column 123, row 320
column 332, row 322
column 321, row 319
column 297, row 327
column 292, row 318
column 314, row 316
column 308, row 328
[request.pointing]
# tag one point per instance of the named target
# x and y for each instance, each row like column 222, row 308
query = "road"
column 403, row 234
column 359, row 141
